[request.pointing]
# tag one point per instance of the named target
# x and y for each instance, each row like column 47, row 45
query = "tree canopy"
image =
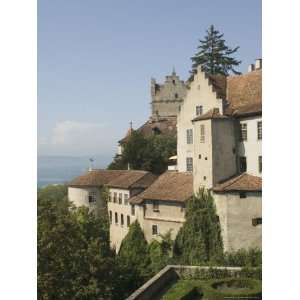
column 214, row 55
column 146, row 153
column 199, row 239
column 74, row 256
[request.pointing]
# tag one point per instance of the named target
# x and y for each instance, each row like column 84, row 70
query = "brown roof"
column 211, row 114
column 244, row 90
column 96, row 177
column 170, row 186
column 165, row 126
column 134, row 179
column 243, row 182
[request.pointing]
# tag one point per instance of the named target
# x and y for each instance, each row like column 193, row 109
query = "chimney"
column 251, row 68
column 258, row 64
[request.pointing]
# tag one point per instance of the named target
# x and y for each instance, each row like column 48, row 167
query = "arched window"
column 116, row 218
column 122, row 220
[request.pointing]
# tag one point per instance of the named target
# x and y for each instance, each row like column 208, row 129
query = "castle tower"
column 167, row 97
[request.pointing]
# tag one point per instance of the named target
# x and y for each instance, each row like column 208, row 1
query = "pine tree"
column 214, row 55
column 199, row 239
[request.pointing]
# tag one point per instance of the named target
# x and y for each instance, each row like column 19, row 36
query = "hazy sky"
column 96, row 58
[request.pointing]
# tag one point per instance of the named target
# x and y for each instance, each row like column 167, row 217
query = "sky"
column 96, row 59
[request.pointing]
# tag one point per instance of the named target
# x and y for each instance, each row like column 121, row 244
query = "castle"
column 218, row 124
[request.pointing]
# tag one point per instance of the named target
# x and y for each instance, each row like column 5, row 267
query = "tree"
column 134, row 254
column 149, row 154
column 161, row 252
column 74, row 257
column 199, row 239
column 214, row 55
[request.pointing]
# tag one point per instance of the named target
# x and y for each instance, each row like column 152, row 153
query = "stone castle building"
column 219, row 135
column 166, row 99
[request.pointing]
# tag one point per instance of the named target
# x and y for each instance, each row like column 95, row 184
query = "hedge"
column 211, row 293
column 183, row 290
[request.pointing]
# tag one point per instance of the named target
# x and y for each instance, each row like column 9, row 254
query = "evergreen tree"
column 161, row 252
column 214, row 55
column 199, row 239
column 134, row 254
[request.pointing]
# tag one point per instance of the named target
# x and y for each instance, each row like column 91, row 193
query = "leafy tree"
column 150, row 154
column 199, row 239
column 134, row 254
column 74, row 257
column 214, row 55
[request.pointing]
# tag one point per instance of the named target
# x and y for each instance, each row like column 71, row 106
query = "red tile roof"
column 170, row 186
column 242, row 182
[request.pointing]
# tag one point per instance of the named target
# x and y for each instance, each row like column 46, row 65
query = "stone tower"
column 167, row 97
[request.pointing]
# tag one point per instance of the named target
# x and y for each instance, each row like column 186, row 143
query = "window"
column 116, row 218
column 202, row 134
column 109, row 197
column 128, row 221
column 179, row 108
column 189, row 164
column 243, row 195
column 199, row 110
column 260, row 164
column 256, row 221
column 243, row 131
column 198, row 86
column 115, row 197
column 176, row 96
column 126, row 199
column 204, row 177
column 122, row 220
column 120, row 198
column 92, row 197
column 154, row 230
column 110, row 216
column 132, row 210
column 259, row 130
column 189, row 136
column 155, row 206
column 173, row 81
column 243, row 164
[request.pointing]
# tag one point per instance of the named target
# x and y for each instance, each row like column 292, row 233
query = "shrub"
column 245, row 287
column 183, row 290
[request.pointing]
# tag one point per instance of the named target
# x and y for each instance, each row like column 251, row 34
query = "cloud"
column 78, row 138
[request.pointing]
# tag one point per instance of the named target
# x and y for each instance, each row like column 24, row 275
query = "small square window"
column 154, row 230
column 256, row 221
column 243, row 195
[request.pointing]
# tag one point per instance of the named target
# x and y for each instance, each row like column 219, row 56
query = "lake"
column 61, row 169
